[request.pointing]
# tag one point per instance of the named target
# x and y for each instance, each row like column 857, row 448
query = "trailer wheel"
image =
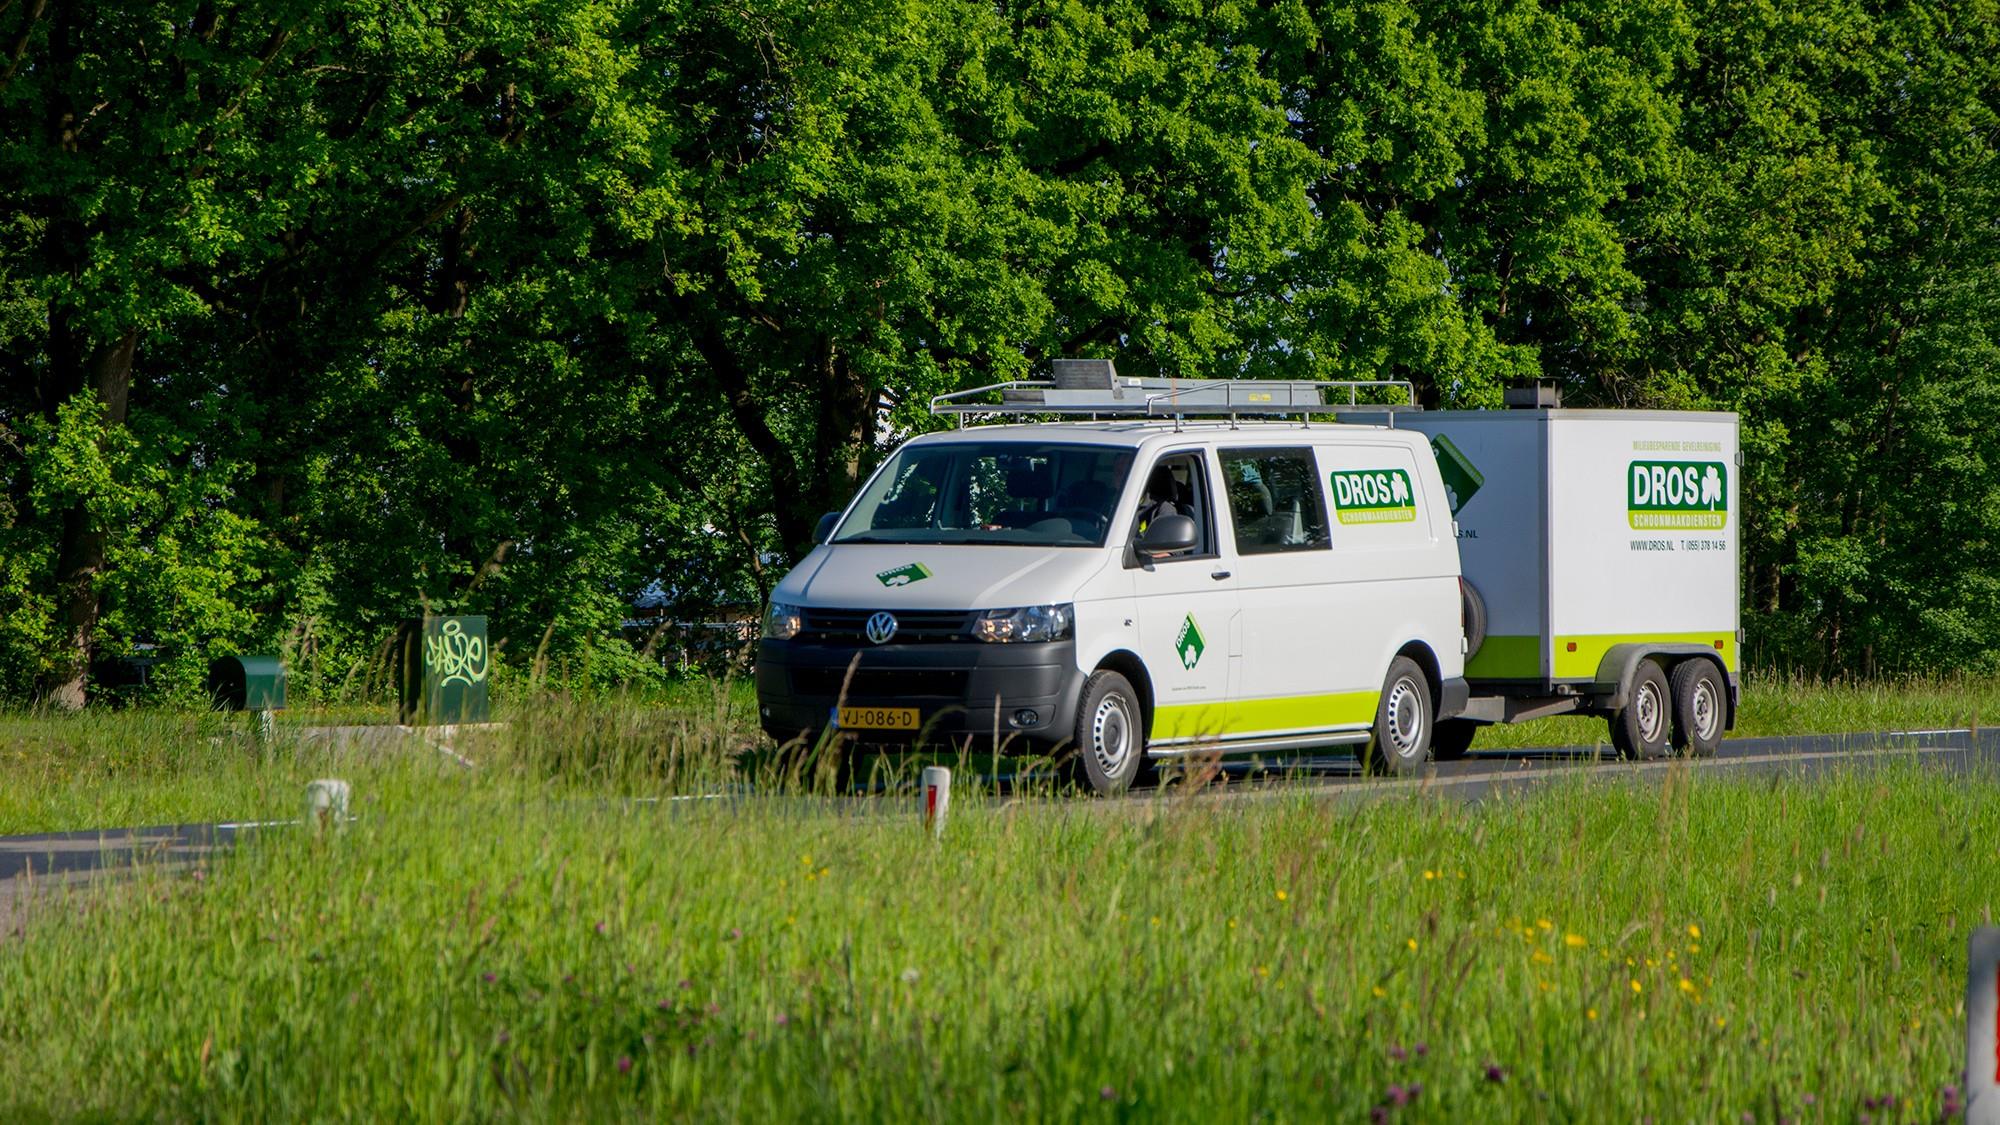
column 1110, row 734
column 1641, row 730
column 1451, row 738
column 1403, row 721
column 1698, row 707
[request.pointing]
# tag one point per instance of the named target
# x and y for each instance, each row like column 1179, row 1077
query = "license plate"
column 876, row 718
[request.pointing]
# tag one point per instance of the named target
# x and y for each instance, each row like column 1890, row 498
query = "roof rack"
column 1093, row 388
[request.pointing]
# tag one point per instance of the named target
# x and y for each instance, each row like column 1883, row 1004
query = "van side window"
column 1274, row 500
column 1178, row 486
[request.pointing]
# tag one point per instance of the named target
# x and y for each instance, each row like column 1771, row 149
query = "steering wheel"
column 1079, row 517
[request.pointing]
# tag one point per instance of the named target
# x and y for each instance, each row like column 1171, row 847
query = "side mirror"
column 824, row 529
column 1168, row 534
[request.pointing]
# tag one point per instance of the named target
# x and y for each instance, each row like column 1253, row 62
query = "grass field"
column 120, row 768
column 475, row 948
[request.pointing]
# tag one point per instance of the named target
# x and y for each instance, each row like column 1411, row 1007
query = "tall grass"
column 156, row 766
column 468, row 950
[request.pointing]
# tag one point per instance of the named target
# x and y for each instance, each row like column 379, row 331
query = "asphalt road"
column 40, row 861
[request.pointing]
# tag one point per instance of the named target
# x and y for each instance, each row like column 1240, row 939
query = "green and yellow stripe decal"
column 1579, row 654
column 1290, row 713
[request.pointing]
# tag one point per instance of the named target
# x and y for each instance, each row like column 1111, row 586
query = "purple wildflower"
column 1398, row 1096
column 489, row 978
column 1397, row 1053
column 1107, row 1093
column 624, row 1064
column 783, row 1019
column 1423, row 1049
column 1495, row 1072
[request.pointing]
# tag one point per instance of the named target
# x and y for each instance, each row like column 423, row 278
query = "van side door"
column 1297, row 678
column 1185, row 602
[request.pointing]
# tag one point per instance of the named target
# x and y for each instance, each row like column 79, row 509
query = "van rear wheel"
column 1640, row 730
column 1110, row 736
column 1698, row 708
column 1403, row 719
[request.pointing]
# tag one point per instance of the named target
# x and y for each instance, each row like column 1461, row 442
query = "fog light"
column 1026, row 717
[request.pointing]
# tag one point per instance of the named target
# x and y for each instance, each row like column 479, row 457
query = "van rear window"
column 1010, row 493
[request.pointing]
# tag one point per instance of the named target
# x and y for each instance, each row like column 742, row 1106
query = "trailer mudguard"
column 1613, row 684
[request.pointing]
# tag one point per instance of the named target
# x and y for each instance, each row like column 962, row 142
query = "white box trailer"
column 1601, row 542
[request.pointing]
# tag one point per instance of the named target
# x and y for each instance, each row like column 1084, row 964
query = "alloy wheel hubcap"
column 1406, row 718
column 1111, row 735
column 1647, row 708
column 1705, row 710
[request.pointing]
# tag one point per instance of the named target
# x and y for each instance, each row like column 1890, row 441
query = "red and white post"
column 1982, row 1028
column 936, row 798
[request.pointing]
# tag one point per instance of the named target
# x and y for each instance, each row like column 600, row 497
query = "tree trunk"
column 108, row 373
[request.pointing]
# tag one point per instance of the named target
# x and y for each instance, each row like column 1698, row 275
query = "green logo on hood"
column 1189, row 643
column 904, row 575
column 1687, row 495
column 1374, row 496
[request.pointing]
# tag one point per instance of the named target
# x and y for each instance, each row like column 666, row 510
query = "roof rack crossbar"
column 1173, row 398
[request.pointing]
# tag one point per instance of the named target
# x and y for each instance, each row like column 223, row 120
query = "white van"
column 1138, row 585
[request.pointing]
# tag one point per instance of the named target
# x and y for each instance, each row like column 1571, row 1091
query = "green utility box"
column 441, row 670
column 247, row 683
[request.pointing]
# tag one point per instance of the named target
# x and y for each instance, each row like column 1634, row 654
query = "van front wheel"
column 1403, row 720
column 1110, row 734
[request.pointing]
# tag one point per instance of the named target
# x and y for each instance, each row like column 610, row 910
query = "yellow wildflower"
column 1694, row 931
column 1590, row 1013
column 1575, row 941
column 1637, row 987
column 1687, row 986
column 1544, row 923
column 1430, row 874
column 1413, row 945
column 1282, row 896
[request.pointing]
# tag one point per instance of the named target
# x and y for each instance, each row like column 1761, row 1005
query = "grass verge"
column 472, row 950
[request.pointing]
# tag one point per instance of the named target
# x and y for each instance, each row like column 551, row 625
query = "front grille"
column 825, row 683
column 913, row 626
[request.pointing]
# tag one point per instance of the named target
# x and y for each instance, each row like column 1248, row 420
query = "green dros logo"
column 1189, row 643
column 904, row 575
column 1677, row 495
column 1374, row 496
column 1461, row 477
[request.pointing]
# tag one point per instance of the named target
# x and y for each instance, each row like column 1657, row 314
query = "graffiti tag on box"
column 454, row 656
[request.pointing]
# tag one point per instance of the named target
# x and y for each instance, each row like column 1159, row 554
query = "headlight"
column 1029, row 623
column 781, row 622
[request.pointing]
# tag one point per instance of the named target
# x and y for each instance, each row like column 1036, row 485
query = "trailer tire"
column 1404, row 716
column 1451, row 738
column 1699, row 707
column 1110, row 736
column 1641, row 729
column 1472, row 616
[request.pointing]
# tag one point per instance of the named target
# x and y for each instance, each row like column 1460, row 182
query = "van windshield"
column 1011, row 493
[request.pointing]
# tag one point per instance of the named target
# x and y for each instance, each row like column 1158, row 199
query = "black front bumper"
column 959, row 689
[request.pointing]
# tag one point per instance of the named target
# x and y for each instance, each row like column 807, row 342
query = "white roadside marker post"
column 1982, row 1028
column 936, row 798
column 326, row 804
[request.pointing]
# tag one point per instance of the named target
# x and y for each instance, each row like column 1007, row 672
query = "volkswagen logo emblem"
column 881, row 627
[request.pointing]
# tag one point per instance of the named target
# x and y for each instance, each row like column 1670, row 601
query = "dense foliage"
column 313, row 313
